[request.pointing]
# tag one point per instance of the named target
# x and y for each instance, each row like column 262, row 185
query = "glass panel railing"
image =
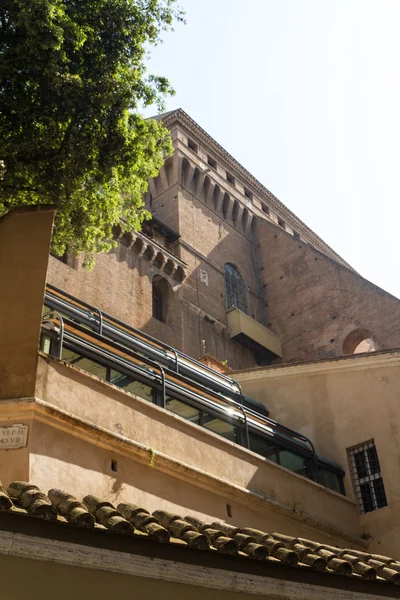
column 118, row 362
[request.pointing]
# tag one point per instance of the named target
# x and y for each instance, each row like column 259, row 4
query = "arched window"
column 234, row 288
column 358, row 341
column 160, row 294
column 366, row 345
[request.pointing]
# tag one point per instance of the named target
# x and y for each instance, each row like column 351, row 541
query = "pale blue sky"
column 306, row 95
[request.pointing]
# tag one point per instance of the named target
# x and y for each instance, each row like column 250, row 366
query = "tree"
column 72, row 80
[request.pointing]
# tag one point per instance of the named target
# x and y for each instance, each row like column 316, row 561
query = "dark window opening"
column 63, row 258
column 212, row 162
column 367, row 477
column 148, row 230
column 229, row 510
column 281, row 223
column 265, row 209
column 114, row 466
column 160, row 292
column 330, row 480
column 248, row 194
column 296, row 235
column 192, row 146
column 225, row 206
column 235, row 289
column 230, row 178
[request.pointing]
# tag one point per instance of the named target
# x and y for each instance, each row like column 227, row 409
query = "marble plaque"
column 13, row 436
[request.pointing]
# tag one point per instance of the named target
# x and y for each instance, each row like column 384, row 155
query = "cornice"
column 355, row 362
column 184, row 119
column 152, row 251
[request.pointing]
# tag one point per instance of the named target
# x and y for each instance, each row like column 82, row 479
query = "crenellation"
column 195, row 175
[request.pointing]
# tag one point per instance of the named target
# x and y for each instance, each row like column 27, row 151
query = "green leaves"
column 72, row 76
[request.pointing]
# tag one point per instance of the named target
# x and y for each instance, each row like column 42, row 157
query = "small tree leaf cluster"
column 72, row 82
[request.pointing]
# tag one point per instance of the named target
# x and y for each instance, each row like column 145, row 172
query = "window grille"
column 367, row 477
column 235, row 289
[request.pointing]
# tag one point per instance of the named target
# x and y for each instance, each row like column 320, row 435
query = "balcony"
column 253, row 335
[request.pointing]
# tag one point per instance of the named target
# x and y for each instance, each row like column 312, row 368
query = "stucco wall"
column 47, row 580
column 101, row 404
column 340, row 404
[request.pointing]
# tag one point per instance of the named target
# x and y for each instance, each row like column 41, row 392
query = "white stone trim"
column 88, row 557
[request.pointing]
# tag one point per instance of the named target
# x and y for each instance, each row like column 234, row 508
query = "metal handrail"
column 62, row 329
column 145, row 335
column 246, row 412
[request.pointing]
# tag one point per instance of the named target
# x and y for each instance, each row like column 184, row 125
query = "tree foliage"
column 72, row 80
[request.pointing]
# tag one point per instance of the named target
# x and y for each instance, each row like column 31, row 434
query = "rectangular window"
column 248, row 194
column 192, row 145
column 367, row 477
column 158, row 312
column 230, row 178
column 281, row 223
column 265, row 209
column 263, row 446
column 294, row 462
column 212, row 162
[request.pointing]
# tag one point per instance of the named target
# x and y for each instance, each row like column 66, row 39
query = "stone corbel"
column 170, row 267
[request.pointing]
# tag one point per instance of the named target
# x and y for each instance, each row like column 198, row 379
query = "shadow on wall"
column 76, row 466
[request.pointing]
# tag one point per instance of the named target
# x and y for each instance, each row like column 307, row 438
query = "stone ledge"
column 150, row 250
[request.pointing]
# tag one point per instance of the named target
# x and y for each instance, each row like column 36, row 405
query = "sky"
column 305, row 94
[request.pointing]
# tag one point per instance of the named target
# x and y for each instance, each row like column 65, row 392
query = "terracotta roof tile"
column 163, row 526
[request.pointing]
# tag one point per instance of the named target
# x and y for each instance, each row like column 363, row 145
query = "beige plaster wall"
column 49, row 580
column 104, row 405
column 340, row 404
column 66, row 461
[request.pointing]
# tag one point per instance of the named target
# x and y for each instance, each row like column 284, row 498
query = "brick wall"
column 317, row 307
column 120, row 284
column 314, row 304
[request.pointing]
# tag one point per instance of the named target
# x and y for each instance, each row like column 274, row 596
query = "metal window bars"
column 367, row 477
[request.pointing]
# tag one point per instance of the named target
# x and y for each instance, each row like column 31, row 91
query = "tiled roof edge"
column 176, row 468
column 69, row 553
column 128, row 520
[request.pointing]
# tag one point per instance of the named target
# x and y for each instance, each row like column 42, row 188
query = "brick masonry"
column 315, row 304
